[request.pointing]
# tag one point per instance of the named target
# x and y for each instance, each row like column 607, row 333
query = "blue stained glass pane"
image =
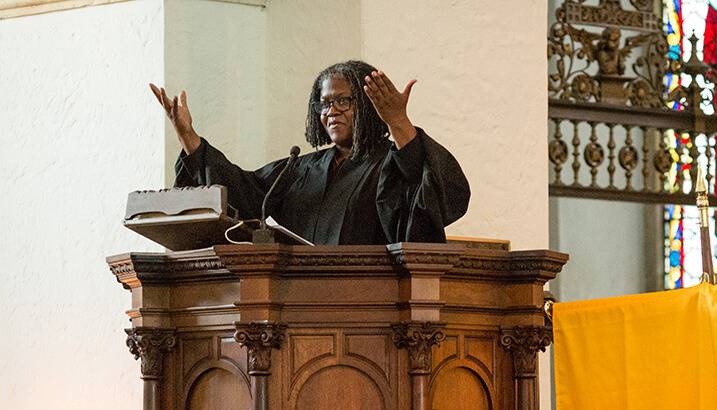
column 670, row 209
column 674, row 258
column 674, row 53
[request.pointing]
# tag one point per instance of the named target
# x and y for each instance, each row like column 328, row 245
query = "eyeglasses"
column 341, row 104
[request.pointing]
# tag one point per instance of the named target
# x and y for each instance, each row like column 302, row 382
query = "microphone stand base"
column 262, row 236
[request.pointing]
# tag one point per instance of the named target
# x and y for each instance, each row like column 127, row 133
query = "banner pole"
column 703, row 203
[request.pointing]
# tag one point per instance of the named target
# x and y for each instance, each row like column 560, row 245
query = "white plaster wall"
column 78, row 133
column 482, row 93
column 612, row 247
column 216, row 51
column 303, row 38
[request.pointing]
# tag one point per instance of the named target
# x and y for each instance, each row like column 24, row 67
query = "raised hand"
column 391, row 105
column 178, row 113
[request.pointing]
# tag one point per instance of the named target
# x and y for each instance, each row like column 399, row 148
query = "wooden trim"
column 19, row 8
column 628, row 116
column 14, row 8
column 260, row 3
column 622, row 195
column 480, row 243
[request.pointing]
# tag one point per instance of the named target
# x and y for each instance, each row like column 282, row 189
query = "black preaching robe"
column 391, row 196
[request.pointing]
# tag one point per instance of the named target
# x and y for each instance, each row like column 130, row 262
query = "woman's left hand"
column 391, row 105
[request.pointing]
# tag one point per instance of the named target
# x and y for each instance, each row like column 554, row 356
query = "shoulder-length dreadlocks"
column 369, row 131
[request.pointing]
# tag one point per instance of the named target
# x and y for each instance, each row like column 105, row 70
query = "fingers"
column 377, row 87
column 165, row 101
column 390, row 103
column 371, row 95
column 374, row 94
column 171, row 107
column 407, row 89
column 156, row 92
column 175, row 105
column 384, row 82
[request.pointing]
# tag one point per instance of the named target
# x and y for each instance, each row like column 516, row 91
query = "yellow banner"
column 649, row 351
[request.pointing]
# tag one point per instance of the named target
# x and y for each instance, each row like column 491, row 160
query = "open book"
column 271, row 223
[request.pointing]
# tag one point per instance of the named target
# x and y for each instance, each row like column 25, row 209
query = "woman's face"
column 338, row 124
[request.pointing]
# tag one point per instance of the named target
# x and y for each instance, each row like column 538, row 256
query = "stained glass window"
column 673, row 29
column 682, row 254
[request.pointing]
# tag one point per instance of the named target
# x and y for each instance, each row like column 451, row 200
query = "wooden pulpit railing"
column 403, row 326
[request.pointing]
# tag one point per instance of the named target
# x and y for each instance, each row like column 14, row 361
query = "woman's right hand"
column 177, row 111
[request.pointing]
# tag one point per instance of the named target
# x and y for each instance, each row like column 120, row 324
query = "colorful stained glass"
column 682, row 19
column 709, row 49
column 678, row 176
column 683, row 257
column 673, row 29
column 673, row 247
column 682, row 253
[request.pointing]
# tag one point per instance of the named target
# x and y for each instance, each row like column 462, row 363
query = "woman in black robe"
column 366, row 189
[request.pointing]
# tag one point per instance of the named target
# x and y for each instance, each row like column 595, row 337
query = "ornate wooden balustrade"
column 617, row 129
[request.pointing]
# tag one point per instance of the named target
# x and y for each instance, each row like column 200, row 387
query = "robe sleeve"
column 208, row 166
column 421, row 190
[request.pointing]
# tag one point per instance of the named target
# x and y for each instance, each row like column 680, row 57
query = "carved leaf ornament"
column 150, row 345
column 418, row 338
column 524, row 342
column 259, row 338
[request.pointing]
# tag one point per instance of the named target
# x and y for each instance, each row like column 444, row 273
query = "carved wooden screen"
column 631, row 109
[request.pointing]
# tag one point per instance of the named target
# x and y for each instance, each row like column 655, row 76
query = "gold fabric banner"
column 649, row 351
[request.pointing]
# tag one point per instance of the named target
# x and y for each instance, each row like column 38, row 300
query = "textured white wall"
column 216, row 51
column 78, row 133
column 482, row 93
column 303, row 38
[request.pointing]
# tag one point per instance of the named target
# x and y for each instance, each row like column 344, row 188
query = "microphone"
column 294, row 152
column 266, row 236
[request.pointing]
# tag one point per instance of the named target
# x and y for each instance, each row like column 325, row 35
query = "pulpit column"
column 524, row 342
column 260, row 338
column 418, row 338
column 150, row 345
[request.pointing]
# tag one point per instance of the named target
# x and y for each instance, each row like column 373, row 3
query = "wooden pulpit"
column 402, row 326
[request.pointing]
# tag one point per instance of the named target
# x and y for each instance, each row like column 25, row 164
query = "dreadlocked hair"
column 368, row 131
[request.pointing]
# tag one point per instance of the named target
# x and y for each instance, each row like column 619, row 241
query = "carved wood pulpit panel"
column 402, row 326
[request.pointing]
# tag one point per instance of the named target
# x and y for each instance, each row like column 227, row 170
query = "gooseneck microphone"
column 293, row 153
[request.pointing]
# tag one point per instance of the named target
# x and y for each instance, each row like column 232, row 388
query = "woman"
column 365, row 189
